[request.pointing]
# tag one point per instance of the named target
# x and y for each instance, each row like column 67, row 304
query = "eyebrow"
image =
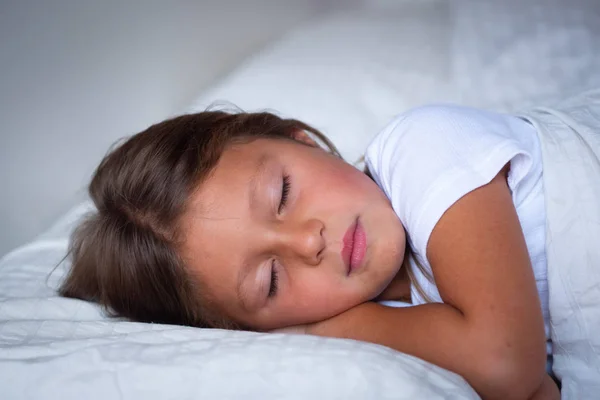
column 259, row 170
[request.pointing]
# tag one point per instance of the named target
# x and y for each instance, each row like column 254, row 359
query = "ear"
column 303, row 137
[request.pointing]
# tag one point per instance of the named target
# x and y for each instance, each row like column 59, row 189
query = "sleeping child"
column 251, row 221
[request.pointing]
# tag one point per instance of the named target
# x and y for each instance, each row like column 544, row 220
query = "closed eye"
column 285, row 191
column 274, row 281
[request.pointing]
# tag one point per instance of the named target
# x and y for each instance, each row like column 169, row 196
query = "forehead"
column 236, row 168
column 221, row 197
column 217, row 214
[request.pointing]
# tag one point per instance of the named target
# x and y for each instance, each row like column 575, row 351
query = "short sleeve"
column 428, row 158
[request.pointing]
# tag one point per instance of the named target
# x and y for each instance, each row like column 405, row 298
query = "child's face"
column 239, row 235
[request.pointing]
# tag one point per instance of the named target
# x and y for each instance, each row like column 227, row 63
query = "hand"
column 296, row 329
column 328, row 327
column 340, row 325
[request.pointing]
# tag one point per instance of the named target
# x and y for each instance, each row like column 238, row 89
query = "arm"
column 547, row 391
column 490, row 328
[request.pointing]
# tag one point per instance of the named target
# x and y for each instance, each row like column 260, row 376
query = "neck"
column 399, row 287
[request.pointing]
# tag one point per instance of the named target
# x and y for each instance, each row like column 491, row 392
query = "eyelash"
column 274, row 280
column 285, row 191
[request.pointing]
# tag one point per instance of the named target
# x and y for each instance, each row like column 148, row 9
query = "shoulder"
column 443, row 135
column 429, row 157
column 443, row 122
column 431, row 139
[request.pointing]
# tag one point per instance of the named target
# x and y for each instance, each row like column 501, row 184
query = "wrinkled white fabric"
column 570, row 138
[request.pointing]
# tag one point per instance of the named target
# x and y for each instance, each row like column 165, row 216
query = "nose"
column 304, row 240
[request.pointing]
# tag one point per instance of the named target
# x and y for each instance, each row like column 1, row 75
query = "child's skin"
column 489, row 329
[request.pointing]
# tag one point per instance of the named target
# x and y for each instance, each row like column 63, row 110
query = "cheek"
column 346, row 175
column 318, row 299
column 344, row 184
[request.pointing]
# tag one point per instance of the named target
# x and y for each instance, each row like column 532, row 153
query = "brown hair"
column 125, row 255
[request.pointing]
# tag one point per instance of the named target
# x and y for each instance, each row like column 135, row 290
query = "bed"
column 346, row 74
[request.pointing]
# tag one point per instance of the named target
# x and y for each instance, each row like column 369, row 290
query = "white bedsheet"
column 347, row 75
column 570, row 136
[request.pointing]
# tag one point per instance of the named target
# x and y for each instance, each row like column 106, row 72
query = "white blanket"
column 570, row 138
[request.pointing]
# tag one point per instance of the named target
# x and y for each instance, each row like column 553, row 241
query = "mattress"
column 347, row 74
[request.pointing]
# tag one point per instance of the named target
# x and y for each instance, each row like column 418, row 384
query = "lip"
column 355, row 245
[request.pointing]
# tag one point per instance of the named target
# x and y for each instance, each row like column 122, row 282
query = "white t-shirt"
column 429, row 157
